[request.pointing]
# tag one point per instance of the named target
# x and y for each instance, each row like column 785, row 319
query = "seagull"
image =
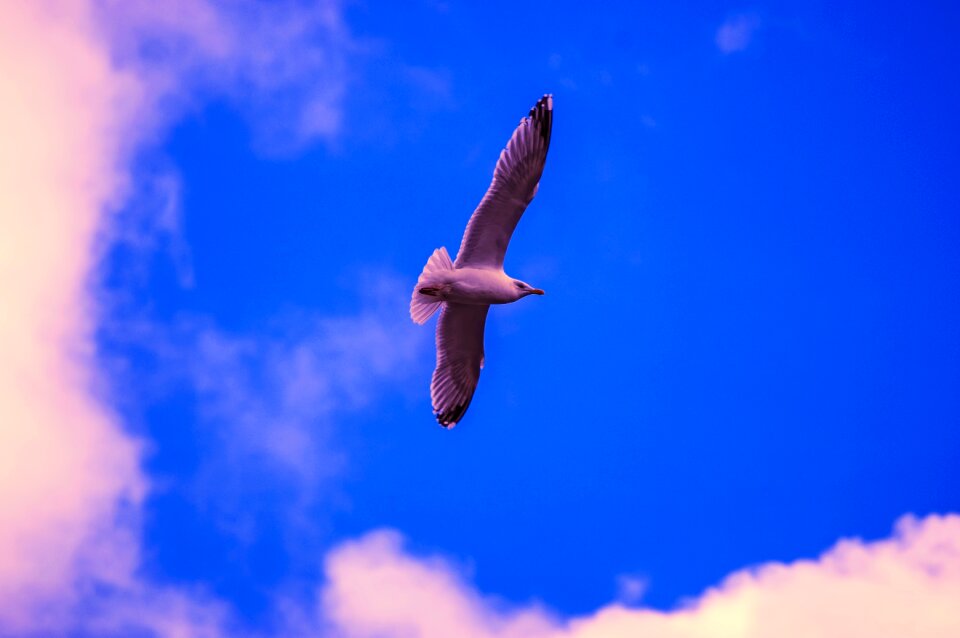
column 464, row 289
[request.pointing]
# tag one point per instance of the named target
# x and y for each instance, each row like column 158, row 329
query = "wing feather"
column 459, row 359
column 514, row 185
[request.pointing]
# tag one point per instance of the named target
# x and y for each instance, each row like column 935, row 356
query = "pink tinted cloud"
column 64, row 463
column 74, row 106
column 907, row 585
column 377, row 589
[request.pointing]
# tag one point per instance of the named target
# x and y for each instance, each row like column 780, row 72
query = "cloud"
column 285, row 64
column 736, row 33
column 86, row 85
column 65, row 465
column 906, row 585
column 150, row 224
column 631, row 588
column 291, row 379
column 377, row 589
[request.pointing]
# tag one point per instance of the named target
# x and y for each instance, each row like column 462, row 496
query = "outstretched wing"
column 459, row 359
column 514, row 184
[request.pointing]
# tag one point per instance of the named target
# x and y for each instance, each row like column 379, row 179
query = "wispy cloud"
column 906, row 585
column 153, row 225
column 737, row 32
column 285, row 64
column 267, row 401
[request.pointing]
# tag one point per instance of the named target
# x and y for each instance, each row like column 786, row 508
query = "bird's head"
column 524, row 289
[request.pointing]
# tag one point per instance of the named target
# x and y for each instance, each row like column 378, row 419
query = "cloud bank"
column 85, row 86
column 907, row 585
column 66, row 468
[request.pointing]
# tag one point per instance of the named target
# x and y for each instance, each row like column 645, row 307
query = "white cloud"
column 64, row 463
column 736, row 33
column 73, row 111
column 378, row 590
column 907, row 585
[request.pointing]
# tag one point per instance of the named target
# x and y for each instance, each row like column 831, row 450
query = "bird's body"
column 465, row 289
column 475, row 286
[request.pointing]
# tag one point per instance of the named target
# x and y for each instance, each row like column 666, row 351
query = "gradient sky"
column 749, row 348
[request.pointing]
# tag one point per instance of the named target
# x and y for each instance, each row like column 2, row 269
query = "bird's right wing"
column 459, row 359
column 514, row 184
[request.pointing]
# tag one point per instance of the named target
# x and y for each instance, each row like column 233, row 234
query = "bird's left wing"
column 514, row 184
column 459, row 359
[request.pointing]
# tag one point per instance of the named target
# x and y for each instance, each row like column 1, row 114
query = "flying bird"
column 463, row 290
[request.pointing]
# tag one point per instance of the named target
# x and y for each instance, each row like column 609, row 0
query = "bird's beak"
column 536, row 291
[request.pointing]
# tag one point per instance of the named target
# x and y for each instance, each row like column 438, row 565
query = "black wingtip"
column 451, row 417
column 542, row 115
column 544, row 104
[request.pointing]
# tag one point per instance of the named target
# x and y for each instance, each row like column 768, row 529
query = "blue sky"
column 747, row 232
column 750, row 328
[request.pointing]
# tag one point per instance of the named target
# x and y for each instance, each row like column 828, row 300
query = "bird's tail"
column 423, row 304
